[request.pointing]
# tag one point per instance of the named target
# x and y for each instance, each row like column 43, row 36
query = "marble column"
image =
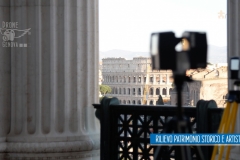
column 5, row 82
column 53, row 80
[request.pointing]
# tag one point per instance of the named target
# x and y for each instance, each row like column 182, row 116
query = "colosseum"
column 134, row 82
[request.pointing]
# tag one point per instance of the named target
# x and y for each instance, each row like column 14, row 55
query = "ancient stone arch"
column 157, row 91
column 164, row 91
column 151, row 91
column 151, row 102
column 133, row 102
column 139, row 102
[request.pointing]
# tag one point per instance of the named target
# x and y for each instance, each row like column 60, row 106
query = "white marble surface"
column 54, row 81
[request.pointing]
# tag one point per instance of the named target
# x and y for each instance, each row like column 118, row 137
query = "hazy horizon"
column 215, row 54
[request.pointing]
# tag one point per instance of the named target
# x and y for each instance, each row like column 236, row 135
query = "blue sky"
column 127, row 24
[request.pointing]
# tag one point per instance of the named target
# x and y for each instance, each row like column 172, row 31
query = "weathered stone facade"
column 129, row 78
column 209, row 84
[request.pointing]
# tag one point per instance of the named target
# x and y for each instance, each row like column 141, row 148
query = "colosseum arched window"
column 151, row 79
column 157, row 79
column 129, row 91
column 139, row 79
column 164, row 91
column 128, row 102
column 139, row 91
column 124, row 102
column 139, row 101
column 145, row 79
column 120, row 90
column 151, row 102
column 157, row 91
column 164, row 78
column 116, row 90
column 133, row 91
column 124, row 90
column 134, row 79
column 151, row 91
column 129, row 79
column 133, row 102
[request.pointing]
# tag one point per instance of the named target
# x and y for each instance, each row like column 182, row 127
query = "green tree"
column 104, row 89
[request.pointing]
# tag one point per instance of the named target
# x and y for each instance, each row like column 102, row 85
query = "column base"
column 83, row 149
column 86, row 155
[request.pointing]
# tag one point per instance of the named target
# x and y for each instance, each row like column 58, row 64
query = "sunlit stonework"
column 134, row 82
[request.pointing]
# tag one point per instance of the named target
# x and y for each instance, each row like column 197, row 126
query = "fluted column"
column 54, row 80
column 5, row 82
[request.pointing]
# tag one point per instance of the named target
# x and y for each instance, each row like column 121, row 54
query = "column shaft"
column 5, row 82
column 54, row 80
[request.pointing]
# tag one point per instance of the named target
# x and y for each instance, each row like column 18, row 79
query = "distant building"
column 130, row 78
column 134, row 82
column 210, row 83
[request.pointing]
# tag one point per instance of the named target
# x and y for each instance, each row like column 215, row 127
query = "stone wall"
column 208, row 84
column 215, row 89
column 129, row 78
